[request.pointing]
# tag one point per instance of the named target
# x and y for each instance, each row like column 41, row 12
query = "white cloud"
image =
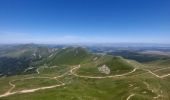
column 55, row 39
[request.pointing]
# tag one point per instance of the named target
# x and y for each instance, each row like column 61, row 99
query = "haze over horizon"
column 84, row 21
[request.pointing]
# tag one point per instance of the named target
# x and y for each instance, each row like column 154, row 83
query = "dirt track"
column 129, row 97
column 73, row 72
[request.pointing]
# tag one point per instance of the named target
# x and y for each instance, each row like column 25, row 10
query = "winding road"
column 73, row 72
column 130, row 96
column 163, row 76
column 8, row 93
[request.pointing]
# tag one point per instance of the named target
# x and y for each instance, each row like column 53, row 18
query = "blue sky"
column 84, row 21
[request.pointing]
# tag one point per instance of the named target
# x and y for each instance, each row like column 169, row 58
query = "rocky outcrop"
column 104, row 69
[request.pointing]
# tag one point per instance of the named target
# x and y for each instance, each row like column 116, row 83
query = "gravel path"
column 73, row 71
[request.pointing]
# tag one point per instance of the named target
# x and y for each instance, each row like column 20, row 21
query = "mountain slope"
column 26, row 50
column 15, row 59
column 69, row 56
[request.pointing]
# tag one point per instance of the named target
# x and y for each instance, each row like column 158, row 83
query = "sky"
column 84, row 21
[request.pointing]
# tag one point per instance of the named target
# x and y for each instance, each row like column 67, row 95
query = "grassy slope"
column 157, row 64
column 53, row 71
column 117, row 65
column 160, row 63
column 33, row 83
column 69, row 56
column 100, row 89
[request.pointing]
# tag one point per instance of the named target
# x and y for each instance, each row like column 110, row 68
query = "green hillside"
column 69, row 56
column 160, row 62
column 116, row 65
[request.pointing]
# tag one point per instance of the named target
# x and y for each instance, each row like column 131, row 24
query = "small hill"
column 112, row 65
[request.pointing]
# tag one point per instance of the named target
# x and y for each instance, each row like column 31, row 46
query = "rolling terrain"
column 74, row 73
